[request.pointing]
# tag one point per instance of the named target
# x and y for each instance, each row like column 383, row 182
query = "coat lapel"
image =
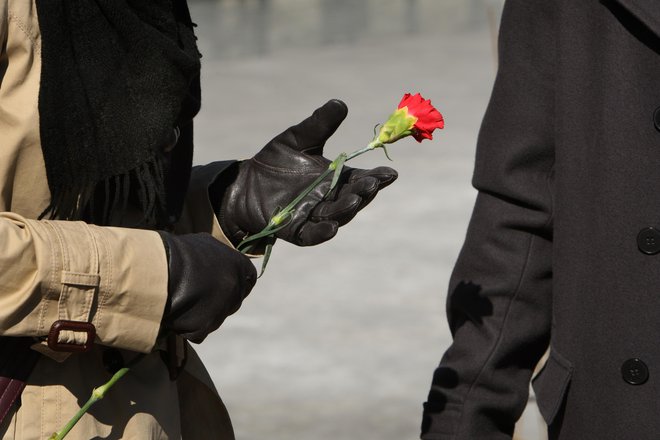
column 646, row 11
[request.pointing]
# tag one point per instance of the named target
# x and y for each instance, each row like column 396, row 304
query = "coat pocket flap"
column 551, row 384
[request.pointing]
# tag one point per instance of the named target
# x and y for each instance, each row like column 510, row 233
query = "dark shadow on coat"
column 633, row 25
column 467, row 304
column 443, row 378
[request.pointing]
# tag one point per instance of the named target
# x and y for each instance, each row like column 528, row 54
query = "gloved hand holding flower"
column 288, row 164
column 260, row 201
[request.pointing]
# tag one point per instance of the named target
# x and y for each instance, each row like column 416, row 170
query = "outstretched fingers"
column 357, row 192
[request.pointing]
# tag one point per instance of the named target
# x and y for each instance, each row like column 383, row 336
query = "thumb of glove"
column 310, row 135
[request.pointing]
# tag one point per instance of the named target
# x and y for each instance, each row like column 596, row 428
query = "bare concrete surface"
column 340, row 341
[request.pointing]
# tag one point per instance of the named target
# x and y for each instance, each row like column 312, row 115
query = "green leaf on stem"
column 267, row 252
column 338, row 166
column 248, row 242
column 386, row 153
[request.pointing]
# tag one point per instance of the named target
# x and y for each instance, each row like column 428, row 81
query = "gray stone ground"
column 340, row 341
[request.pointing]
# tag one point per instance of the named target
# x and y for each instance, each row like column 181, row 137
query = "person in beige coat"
column 123, row 270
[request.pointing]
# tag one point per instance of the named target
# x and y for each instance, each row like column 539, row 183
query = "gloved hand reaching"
column 207, row 282
column 250, row 195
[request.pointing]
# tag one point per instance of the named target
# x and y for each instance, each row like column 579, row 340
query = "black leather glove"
column 258, row 187
column 207, row 282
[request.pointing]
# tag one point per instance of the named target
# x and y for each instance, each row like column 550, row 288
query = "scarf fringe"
column 101, row 203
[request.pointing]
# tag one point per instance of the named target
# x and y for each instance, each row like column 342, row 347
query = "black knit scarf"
column 117, row 77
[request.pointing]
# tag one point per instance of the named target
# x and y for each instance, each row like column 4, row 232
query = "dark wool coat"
column 562, row 249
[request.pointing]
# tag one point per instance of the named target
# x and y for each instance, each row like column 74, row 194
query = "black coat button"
column 634, row 371
column 113, row 361
column 648, row 241
column 656, row 118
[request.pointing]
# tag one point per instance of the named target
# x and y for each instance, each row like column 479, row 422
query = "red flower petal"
column 428, row 117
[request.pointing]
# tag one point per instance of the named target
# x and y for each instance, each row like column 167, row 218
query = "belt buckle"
column 74, row 326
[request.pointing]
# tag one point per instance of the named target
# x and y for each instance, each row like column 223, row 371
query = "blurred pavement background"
column 340, row 341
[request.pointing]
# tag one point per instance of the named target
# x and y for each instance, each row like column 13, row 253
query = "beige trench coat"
column 115, row 278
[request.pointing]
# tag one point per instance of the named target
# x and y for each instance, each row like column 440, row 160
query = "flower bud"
column 398, row 125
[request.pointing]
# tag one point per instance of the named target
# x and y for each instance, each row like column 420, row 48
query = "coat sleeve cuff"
column 133, row 292
column 115, row 278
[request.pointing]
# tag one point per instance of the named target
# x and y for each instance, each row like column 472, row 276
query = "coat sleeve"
column 500, row 297
column 198, row 212
column 115, row 278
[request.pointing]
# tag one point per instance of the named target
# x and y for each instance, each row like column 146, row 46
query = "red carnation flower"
column 428, row 117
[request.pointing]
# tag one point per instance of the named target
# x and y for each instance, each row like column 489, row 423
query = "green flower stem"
column 288, row 209
column 97, row 394
column 371, row 146
column 278, row 221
